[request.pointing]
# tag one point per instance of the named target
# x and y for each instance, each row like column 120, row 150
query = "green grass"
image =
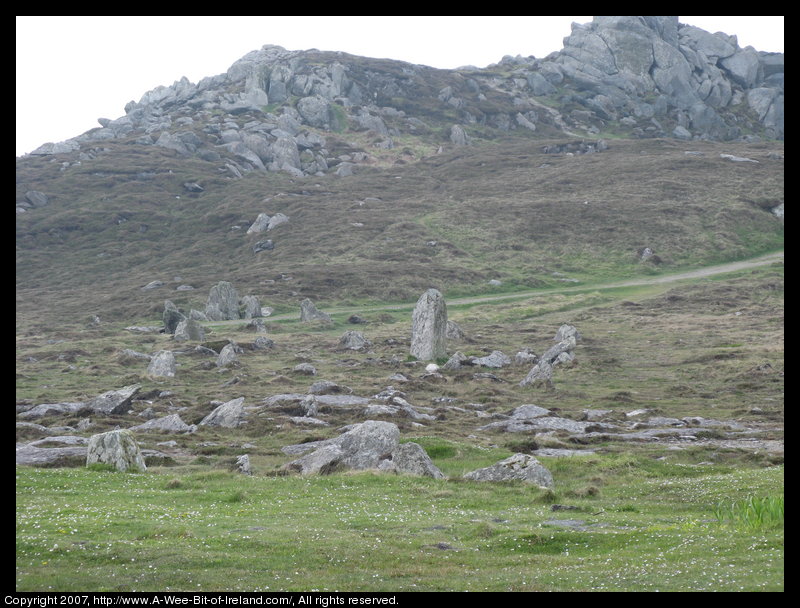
column 80, row 530
column 753, row 513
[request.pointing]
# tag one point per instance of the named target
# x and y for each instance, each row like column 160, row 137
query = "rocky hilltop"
column 275, row 109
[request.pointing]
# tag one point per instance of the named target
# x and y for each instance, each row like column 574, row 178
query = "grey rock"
column 305, row 368
column 277, row 220
column 115, row 401
column 172, row 317
column 36, row 198
column 260, row 224
column 411, row 458
column 456, row 361
column 162, row 365
column 458, row 136
column 354, row 340
column 565, row 332
column 309, row 312
column 193, row 187
column 429, row 327
column 454, row 331
column 223, row 302
column 251, row 307
column 541, row 374
column 117, row 448
column 53, row 409
column 265, row 245
column 190, row 329
column 228, row 415
column 228, row 355
column 167, row 424
column 496, row 359
column 243, row 464
column 153, row 285
column 34, row 456
column 522, row 467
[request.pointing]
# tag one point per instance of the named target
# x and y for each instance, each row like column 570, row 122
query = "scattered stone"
column 251, row 307
column 365, row 446
column 190, row 329
column 411, row 458
column 162, row 365
column 454, row 331
column 228, row 355
column 228, row 415
column 34, row 456
column 737, row 159
column 456, row 361
column 309, row 312
column 167, row 424
column 265, row 245
column 193, row 187
column 243, row 464
column 305, row 368
column 222, row 303
column 326, row 387
column 153, row 285
column 260, row 224
column 114, row 402
column 117, row 448
column 356, row 320
column 521, row 467
column 171, row 317
column 354, row 340
column 429, row 327
column 496, row 359
column 541, row 374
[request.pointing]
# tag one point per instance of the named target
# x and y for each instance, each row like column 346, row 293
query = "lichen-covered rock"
column 429, row 327
column 117, row 448
column 162, row 365
column 115, row 401
column 228, row 415
column 522, row 467
column 223, row 302
column 309, row 312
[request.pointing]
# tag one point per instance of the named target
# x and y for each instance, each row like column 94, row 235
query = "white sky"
column 73, row 70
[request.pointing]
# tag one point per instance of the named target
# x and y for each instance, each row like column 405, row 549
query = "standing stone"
column 172, row 317
column 189, row 329
column 228, row 356
column 309, row 312
column 251, row 307
column 243, row 464
column 223, row 302
column 162, row 365
column 117, row 448
column 429, row 327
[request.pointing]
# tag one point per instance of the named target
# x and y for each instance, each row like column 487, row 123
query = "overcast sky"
column 73, row 70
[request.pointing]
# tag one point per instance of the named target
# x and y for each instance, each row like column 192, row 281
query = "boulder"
column 260, row 224
column 496, row 359
column 115, row 401
column 251, row 307
column 354, row 340
column 162, row 365
column 522, row 467
column 34, row 456
column 228, row 415
column 167, row 424
column 541, row 374
column 412, row 459
column 228, row 355
column 223, row 302
column 309, row 312
column 117, row 448
column 190, row 329
column 429, row 327
column 362, row 447
column 172, row 317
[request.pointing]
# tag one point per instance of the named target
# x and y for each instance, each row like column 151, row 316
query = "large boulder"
column 228, row 415
column 190, row 329
column 309, row 312
column 522, row 467
column 115, row 401
column 162, row 365
column 412, row 459
column 117, row 448
column 223, row 302
column 429, row 327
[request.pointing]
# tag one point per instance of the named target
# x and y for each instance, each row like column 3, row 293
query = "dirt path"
column 670, row 278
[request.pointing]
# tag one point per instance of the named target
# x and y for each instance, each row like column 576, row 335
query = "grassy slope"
column 508, row 213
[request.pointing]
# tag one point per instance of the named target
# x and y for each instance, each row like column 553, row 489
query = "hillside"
column 649, row 410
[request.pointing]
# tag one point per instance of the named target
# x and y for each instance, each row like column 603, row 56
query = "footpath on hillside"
column 706, row 271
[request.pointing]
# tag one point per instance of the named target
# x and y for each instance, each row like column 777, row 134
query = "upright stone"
column 162, row 365
column 223, row 302
column 190, row 329
column 309, row 312
column 172, row 317
column 429, row 327
column 117, row 448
